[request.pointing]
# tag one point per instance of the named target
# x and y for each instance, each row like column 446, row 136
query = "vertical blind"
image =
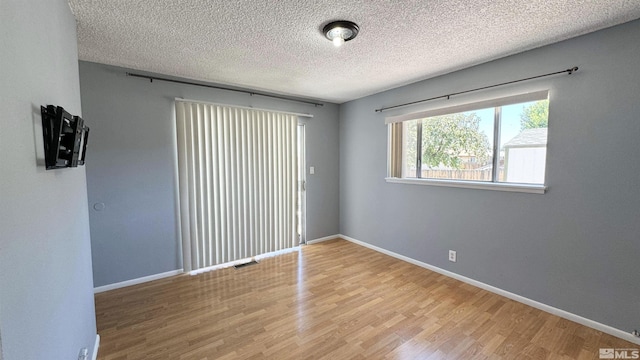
column 238, row 176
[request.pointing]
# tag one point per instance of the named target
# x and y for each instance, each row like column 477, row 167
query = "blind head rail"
column 448, row 96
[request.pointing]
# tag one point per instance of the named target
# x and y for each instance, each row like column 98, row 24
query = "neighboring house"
column 525, row 155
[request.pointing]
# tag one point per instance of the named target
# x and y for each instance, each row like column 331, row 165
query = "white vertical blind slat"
column 192, row 188
column 224, row 191
column 204, row 180
column 269, row 184
column 220, row 218
column 232, row 194
column 276, row 179
column 281, row 194
column 213, row 173
column 238, row 179
column 245, row 193
column 183, row 185
column 250, row 183
column 209, row 184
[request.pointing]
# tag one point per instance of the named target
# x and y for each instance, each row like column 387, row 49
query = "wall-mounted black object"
column 65, row 138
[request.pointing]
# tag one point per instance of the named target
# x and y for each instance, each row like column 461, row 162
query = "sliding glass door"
column 238, row 183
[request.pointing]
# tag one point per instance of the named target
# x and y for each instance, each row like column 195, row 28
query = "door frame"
column 301, row 209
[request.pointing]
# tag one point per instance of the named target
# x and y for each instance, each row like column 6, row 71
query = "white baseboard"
column 538, row 305
column 95, row 347
column 141, row 280
column 194, row 272
column 326, row 238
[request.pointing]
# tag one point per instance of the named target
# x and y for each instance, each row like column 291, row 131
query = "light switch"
column 312, row 170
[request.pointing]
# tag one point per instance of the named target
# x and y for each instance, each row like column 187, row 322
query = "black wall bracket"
column 65, row 138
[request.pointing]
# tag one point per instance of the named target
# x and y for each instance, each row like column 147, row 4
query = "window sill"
column 524, row 188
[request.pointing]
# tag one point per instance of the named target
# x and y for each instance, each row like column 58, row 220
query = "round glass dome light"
column 340, row 31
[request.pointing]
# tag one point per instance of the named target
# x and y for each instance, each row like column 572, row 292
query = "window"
column 500, row 141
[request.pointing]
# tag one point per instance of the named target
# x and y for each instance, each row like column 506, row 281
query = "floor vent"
column 253, row 262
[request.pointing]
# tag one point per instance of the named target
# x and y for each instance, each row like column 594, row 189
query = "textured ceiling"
column 277, row 45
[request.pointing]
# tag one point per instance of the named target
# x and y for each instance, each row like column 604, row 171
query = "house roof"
column 529, row 137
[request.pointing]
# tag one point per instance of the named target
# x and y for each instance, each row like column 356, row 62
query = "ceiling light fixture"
column 340, row 31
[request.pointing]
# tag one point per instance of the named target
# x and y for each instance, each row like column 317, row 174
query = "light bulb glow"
column 338, row 41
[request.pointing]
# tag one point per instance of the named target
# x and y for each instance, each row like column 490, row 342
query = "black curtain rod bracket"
column 448, row 96
column 251, row 93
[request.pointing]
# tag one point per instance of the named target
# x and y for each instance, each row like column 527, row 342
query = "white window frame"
column 483, row 185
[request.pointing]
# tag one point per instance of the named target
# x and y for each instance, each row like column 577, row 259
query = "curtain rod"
column 251, row 93
column 447, row 96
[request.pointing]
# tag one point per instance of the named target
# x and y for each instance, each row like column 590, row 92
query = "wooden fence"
column 462, row 174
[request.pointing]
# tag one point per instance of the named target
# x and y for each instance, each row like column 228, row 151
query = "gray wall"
column 46, row 290
column 577, row 246
column 131, row 164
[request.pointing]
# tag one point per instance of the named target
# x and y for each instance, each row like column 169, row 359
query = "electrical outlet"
column 635, row 333
column 84, row 352
column 453, row 256
column 312, row 170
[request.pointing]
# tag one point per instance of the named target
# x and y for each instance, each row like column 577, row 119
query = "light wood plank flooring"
column 332, row 300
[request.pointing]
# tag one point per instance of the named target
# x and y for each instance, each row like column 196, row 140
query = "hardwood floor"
column 331, row 300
